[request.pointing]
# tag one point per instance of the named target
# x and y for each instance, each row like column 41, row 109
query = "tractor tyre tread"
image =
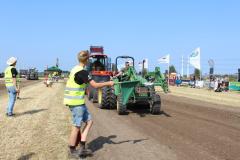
column 105, row 98
column 112, row 99
column 121, row 109
column 156, row 104
column 90, row 93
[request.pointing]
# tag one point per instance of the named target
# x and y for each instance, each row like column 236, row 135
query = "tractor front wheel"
column 155, row 104
column 121, row 108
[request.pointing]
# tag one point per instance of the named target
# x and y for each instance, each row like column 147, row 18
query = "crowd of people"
column 216, row 84
column 219, row 84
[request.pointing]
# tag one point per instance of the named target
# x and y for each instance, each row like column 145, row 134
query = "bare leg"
column 78, row 138
column 86, row 130
column 85, row 125
column 18, row 95
column 73, row 136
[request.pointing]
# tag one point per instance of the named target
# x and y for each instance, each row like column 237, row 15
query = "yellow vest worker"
column 11, row 84
column 74, row 93
column 74, row 98
column 8, row 76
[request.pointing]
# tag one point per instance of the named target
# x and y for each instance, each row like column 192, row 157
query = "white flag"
column 194, row 58
column 164, row 59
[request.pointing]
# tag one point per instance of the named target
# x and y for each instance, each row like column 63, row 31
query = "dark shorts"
column 80, row 114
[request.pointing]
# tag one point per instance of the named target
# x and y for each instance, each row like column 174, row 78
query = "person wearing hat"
column 10, row 76
column 74, row 98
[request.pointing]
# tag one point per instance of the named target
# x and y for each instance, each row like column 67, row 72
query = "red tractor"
column 100, row 69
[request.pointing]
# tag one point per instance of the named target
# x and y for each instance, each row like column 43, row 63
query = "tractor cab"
column 99, row 63
column 99, row 68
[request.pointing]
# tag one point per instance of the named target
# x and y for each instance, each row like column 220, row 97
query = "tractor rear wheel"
column 89, row 93
column 155, row 105
column 112, row 99
column 95, row 96
column 103, row 97
column 121, row 108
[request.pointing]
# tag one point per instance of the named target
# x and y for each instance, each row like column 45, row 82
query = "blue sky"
column 37, row 32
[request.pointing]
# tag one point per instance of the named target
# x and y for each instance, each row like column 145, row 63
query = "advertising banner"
column 234, row 86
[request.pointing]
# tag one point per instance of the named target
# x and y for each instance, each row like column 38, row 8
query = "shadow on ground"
column 140, row 109
column 165, row 114
column 143, row 110
column 30, row 112
column 25, row 98
column 27, row 156
column 99, row 142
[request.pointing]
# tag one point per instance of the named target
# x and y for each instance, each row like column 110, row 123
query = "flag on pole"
column 164, row 59
column 194, row 58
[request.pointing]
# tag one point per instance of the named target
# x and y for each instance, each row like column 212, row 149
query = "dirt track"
column 23, row 84
column 188, row 129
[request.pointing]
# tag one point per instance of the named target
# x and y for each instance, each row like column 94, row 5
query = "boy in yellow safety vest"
column 11, row 84
column 74, row 98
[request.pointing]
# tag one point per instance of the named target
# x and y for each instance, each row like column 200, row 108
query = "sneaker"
column 9, row 114
column 74, row 154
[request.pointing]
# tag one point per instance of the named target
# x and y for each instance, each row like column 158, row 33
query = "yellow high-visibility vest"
column 74, row 93
column 8, row 76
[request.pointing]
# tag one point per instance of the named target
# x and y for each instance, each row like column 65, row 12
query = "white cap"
column 11, row 61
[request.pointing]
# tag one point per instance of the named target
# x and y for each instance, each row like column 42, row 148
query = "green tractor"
column 133, row 88
column 158, row 79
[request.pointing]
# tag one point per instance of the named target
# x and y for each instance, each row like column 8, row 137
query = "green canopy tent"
column 52, row 70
